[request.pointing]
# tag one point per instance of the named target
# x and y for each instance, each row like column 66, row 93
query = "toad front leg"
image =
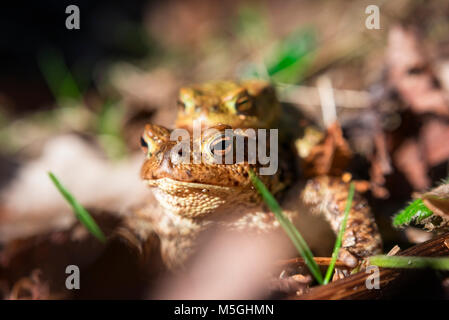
column 327, row 196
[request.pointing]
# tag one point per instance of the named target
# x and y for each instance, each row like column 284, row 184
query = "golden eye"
column 152, row 138
column 243, row 105
column 181, row 105
column 188, row 106
column 143, row 145
column 221, row 146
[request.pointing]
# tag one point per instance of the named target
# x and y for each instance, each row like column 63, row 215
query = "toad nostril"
column 167, row 155
column 165, row 164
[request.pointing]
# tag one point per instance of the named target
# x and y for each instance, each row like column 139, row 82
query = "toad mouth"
column 165, row 183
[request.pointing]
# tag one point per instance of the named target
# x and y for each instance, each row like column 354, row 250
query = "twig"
column 328, row 107
column 320, row 261
column 354, row 287
column 307, row 95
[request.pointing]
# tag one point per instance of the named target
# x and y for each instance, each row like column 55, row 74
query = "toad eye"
column 181, row 105
column 143, row 145
column 243, row 105
column 188, row 106
column 221, row 146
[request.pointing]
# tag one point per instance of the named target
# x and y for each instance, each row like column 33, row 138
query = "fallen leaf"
column 434, row 136
column 410, row 73
column 380, row 166
column 437, row 200
column 409, row 160
column 30, row 288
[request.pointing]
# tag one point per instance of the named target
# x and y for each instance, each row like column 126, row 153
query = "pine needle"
column 338, row 242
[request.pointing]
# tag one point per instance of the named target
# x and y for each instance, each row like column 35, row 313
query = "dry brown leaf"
column 434, row 136
column 380, row 166
column 409, row 160
column 437, row 200
column 410, row 74
column 30, row 288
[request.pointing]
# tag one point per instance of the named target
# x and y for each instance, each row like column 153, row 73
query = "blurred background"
column 74, row 102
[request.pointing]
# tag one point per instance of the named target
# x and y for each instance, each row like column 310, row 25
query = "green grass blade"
column 58, row 77
column 338, row 242
column 292, row 232
column 83, row 216
column 413, row 213
column 293, row 55
column 251, row 24
column 108, row 127
column 404, row 262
